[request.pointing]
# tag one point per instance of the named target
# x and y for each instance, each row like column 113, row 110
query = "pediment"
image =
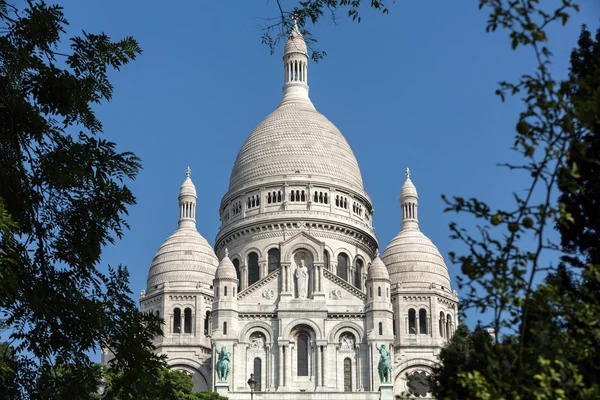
column 339, row 289
column 305, row 241
column 265, row 291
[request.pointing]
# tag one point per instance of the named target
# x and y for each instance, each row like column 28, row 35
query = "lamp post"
column 102, row 387
column 251, row 382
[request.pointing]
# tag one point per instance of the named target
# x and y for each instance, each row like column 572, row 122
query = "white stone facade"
column 300, row 296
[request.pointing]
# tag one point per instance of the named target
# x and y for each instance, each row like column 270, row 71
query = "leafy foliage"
column 278, row 28
column 63, row 198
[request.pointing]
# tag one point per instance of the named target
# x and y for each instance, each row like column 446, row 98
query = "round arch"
column 287, row 257
column 357, row 330
column 244, row 336
column 251, row 250
column 302, row 321
column 196, row 370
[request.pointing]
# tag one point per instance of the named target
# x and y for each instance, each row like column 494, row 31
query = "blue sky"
column 411, row 89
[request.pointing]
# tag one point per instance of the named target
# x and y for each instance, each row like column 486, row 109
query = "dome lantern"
column 409, row 201
column 187, row 202
column 295, row 65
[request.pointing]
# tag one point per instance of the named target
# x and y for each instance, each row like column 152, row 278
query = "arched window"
column 225, row 291
column 302, row 356
column 379, row 291
column 236, row 265
column 337, row 201
column 293, row 196
column 370, row 292
column 326, row 260
column 187, row 320
column 448, row 325
column 297, row 195
column 325, row 200
column 224, row 328
column 279, row 196
column 274, row 257
column 207, row 323
column 342, row 266
column 394, row 327
column 177, row 320
column 320, row 197
column 423, row 321
column 257, row 200
column 442, row 324
column 316, row 197
column 380, row 329
column 252, row 268
column 412, row 322
column 358, row 274
column 269, row 198
column 258, row 374
column 347, row 374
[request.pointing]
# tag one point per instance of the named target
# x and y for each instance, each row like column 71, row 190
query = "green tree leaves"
column 63, row 197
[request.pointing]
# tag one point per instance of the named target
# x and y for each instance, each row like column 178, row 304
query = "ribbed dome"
column 188, row 188
column 378, row 270
column 184, row 257
column 296, row 139
column 295, row 43
column 226, row 270
column 414, row 261
column 408, row 189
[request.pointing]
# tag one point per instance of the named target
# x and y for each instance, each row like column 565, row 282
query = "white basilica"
column 294, row 288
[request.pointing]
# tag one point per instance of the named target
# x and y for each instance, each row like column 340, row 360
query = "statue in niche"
column 346, row 342
column 302, row 280
column 257, row 342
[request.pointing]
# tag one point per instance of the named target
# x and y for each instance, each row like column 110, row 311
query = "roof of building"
column 226, row 270
column 186, row 256
column 411, row 258
column 378, row 270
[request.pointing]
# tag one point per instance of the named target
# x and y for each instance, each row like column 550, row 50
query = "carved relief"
column 335, row 294
column 257, row 342
column 347, row 342
column 268, row 294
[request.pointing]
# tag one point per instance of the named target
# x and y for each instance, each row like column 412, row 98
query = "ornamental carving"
column 347, row 342
column 335, row 294
column 268, row 294
column 257, row 342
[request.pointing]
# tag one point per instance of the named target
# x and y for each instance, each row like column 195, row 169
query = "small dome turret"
column 185, row 258
column 378, row 270
column 226, row 270
column 412, row 259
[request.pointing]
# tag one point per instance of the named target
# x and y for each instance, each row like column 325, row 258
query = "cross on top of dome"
column 407, row 173
column 188, row 172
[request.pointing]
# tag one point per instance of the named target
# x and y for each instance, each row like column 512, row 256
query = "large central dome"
column 296, row 139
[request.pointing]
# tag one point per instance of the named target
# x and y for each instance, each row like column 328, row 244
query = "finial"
column 407, row 173
column 188, row 172
column 377, row 253
column 226, row 252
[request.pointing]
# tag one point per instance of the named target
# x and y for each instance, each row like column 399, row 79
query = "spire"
column 187, row 202
column 295, row 65
column 409, row 202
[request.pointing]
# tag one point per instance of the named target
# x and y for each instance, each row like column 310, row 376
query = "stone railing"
column 257, row 285
column 345, row 285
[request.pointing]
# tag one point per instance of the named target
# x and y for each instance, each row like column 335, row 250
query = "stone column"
column 244, row 282
column 358, row 369
column 371, row 387
column 289, row 352
column 280, row 384
column 233, row 366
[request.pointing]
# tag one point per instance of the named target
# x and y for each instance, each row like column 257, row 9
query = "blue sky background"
column 411, row 89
